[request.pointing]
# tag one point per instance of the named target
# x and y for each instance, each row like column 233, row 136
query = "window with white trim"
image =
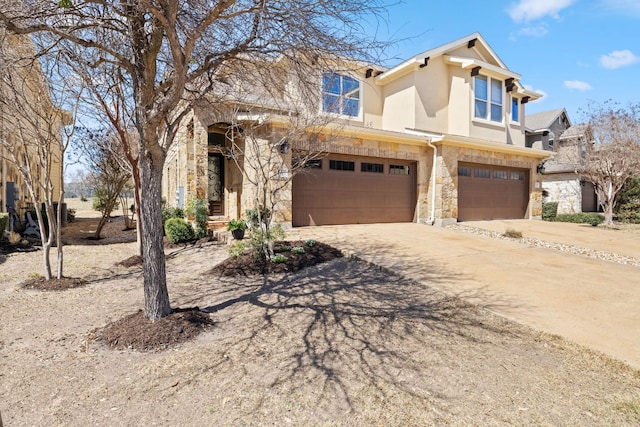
column 488, row 95
column 340, row 95
column 515, row 109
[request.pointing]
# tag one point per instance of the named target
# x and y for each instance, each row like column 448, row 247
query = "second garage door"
column 492, row 192
column 349, row 190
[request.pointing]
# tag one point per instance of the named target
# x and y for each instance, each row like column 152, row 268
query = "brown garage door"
column 492, row 192
column 349, row 190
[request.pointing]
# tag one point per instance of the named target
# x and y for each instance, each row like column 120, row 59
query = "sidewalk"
column 589, row 301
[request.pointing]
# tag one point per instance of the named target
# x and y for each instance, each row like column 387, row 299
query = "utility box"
column 12, row 195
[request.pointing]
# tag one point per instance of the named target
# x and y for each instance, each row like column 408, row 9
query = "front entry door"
column 216, row 184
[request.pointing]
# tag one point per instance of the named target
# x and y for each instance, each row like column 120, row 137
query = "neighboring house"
column 552, row 130
column 438, row 138
column 27, row 117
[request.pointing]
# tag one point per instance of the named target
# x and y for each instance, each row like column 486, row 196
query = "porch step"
column 218, row 227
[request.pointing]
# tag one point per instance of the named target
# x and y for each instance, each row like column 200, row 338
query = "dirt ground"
column 341, row 343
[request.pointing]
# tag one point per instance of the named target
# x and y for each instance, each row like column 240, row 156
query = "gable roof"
column 490, row 61
column 544, row 119
column 576, row 131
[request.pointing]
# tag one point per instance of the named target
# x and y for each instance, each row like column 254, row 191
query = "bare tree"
column 110, row 173
column 168, row 53
column 615, row 156
column 38, row 138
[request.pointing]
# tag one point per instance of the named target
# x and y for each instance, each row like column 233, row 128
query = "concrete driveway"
column 591, row 302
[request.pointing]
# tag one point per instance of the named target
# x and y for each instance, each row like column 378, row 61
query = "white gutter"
column 430, row 139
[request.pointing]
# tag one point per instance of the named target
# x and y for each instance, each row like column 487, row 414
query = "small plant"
column 549, row 210
column 198, row 209
column 178, row 230
column 236, row 224
column 236, row 249
column 34, row 275
column 83, row 198
column 4, row 220
column 278, row 259
column 297, row 250
column 71, row 215
column 310, row 242
column 514, row 234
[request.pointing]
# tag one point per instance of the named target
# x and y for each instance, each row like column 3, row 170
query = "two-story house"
column 436, row 139
column 561, row 182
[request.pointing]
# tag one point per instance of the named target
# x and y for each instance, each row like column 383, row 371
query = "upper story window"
column 340, row 95
column 488, row 98
column 515, row 109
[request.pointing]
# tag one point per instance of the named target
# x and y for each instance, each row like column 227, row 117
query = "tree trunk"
column 135, row 173
column 59, row 236
column 156, row 296
column 608, row 213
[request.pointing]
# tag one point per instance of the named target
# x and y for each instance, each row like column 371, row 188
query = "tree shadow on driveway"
column 348, row 325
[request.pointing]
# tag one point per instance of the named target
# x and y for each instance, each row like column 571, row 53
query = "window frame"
column 488, row 100
column 515, row 102
column 340, row 96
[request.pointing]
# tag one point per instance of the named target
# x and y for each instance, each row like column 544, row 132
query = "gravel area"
column 571, row 249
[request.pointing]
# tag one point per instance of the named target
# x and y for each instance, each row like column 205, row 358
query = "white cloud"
column 534, row 31
column 577, row 85
column 541, row 92
column 625, row 6
column 618, row 58
column 530, row 10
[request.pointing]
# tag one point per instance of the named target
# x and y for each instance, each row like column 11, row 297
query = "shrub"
column 514, row 234
column 581, row 218
column 4, row 220
column 168, row 213
column 198, row 209
column 71, row 215
column 178, row 230
column 278, row 259
column 236, row 249
column 549, row 210
column 297, row 250
column 628, row 202
column 83, row 199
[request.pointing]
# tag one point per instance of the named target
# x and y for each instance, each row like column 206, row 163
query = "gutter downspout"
column 432, row 217
column 430, row 139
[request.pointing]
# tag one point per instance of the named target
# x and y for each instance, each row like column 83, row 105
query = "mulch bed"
column 42, row 284
column 247, row 264
column 136, row 332
column 7, row 248
column 133, row 261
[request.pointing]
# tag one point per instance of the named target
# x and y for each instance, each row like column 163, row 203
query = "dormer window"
column 488, row 98
column 340, row 95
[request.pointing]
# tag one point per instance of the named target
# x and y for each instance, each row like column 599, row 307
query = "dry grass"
column 342, row 343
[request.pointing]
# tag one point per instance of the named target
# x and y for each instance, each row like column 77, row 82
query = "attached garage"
column 492, row 192
column 353, row 190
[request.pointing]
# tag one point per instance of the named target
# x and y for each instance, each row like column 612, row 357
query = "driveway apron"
column 588, row 301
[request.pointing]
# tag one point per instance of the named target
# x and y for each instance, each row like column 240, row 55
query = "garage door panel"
column 482, row 198
column 354, row 197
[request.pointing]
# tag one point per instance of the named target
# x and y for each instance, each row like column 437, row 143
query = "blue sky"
column 573, row 51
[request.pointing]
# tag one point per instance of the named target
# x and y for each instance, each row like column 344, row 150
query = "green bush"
column 178, row 230
column 581, row 218
column 549, row 210
column 71, row 215
column 171, row 213
column 628, row 202
column 199, row 210
column 4, row 220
